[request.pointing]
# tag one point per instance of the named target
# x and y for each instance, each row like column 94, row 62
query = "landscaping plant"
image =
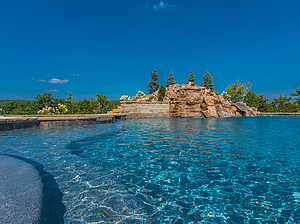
column 153, row 83
column 207, row 81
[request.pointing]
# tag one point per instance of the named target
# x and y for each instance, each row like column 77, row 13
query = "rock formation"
column 195, row 101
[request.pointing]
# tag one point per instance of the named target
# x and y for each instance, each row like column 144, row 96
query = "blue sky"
column 111, row 47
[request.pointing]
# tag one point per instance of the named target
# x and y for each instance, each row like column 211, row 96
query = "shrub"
column 237, row 91
column 60, row 109
column 124, row 98
column 251, row 99
column 161, row 93
column 140, row 93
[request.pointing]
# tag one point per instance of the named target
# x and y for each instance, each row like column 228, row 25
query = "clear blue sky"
column 111, row 47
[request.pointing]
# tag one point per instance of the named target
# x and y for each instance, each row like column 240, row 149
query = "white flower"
column 140, row 93
column 124, row 97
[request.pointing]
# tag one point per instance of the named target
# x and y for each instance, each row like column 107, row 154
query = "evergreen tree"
column 279, row 104
column 297, row 94
column 153, row 84
column 207, row 81
column 70, row 103
column 102, row 102
column 170, row 79
column 161, row 93
column 263, row 105
column 70, row 97
column 191, row 78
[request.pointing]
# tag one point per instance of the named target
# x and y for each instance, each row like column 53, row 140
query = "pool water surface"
column 229, row 170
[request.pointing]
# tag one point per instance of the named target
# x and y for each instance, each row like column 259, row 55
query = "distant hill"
column 117, row 102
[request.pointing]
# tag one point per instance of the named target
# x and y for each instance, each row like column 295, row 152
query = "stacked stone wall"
column 146, row 110
column 188, row 101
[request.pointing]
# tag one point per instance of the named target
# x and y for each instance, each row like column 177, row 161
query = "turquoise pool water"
column 229, row 170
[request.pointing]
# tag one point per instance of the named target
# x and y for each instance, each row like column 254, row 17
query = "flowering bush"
column 97, row 111
column 60, row 109
column 140, row 93
column 47, row 111
column 124, row 98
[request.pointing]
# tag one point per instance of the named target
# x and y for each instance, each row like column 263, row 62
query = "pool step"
column 21, row 191
column 115, row 111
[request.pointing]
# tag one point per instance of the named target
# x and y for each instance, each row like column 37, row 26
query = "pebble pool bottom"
column 183, row 170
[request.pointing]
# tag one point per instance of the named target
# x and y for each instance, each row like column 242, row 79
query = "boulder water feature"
column 197, row 101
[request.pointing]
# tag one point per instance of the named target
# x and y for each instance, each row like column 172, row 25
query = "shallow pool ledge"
column 17, row 122
column 21, row 191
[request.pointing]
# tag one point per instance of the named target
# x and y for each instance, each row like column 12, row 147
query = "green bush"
column 161, row 93
column 237, row 91
column 263, row 105
column 251, row 99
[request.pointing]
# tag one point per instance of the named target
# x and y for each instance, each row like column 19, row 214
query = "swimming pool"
column 229, row 170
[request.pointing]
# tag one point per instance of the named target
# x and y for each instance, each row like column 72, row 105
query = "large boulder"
column 211, row 112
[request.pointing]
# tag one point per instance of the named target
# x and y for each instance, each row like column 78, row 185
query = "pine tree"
column 297, row 94
column 170, row 79
column 161, row 93
column 207, row 81
column 70, row 103
column 153, row 84
column 191, row 78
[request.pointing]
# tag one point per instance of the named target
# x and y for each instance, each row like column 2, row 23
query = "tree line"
column 236, row 92
column 154, row 85
column 46, row 104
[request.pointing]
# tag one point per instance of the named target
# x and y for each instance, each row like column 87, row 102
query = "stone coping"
column 278, row 114
column 130, row 102
column 57, row 117
column 17, row 118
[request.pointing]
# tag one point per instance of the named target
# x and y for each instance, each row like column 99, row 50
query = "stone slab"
column 21, row 191
column 9, row 123
column 279, row 114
